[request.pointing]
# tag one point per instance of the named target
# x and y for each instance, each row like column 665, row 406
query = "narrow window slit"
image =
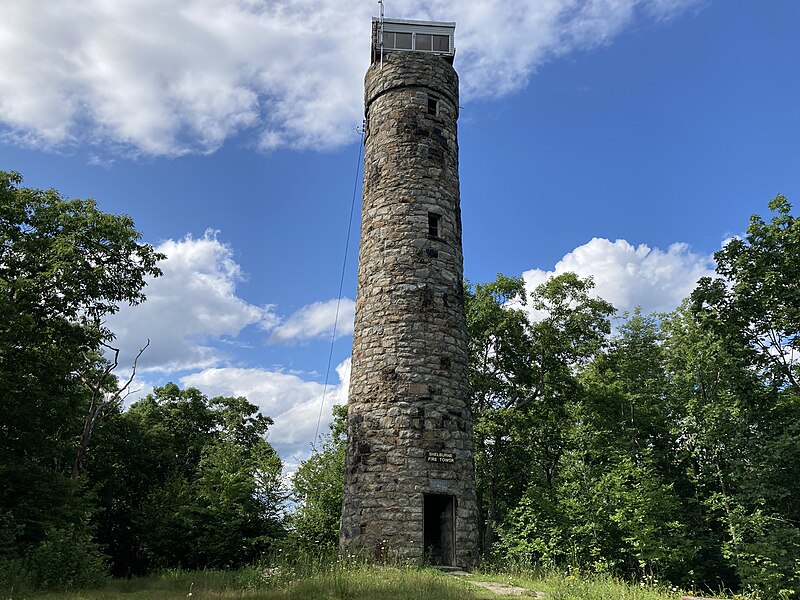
column 433, row 224
column 433, row 106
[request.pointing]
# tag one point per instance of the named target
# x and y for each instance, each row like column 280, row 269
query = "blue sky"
column 623, row 139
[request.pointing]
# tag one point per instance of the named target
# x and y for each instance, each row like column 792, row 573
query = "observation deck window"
column 393, row 40
column 391, row 35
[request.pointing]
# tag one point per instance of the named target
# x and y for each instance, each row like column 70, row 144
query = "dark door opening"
column 439, row 528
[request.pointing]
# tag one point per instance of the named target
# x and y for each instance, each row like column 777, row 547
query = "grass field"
column 365, row 583
column 352, row 582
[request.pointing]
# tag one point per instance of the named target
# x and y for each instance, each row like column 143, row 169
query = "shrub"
column 66, row 559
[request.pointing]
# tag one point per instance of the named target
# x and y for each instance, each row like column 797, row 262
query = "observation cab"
column 400, row 35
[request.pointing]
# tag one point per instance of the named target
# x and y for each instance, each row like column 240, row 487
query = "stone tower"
column 409, row 481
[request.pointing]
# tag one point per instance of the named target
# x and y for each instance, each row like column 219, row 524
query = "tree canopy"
column 64, row 267
column 667, row 449
column 653, row 447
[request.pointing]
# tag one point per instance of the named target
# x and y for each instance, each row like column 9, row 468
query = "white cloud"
column 664, row 10
column 193, row 303
column 293, row 403
column 629, row 276
column 169, row 77
column 317, row 320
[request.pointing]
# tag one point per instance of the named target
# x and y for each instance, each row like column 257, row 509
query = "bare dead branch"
column 99, row 408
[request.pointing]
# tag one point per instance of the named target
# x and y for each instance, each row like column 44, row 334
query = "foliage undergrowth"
column 337, row 580
column 576, row 584
column 65, row 559
column 322, row 578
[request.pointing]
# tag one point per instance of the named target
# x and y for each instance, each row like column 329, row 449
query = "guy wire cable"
column 341, row 287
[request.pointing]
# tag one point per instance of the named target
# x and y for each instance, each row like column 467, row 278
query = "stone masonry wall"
column 408, row 387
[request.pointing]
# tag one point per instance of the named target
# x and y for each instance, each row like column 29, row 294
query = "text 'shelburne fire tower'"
column 409, row 480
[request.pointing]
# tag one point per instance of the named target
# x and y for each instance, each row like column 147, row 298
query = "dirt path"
column 505, row 589
column 501, row 589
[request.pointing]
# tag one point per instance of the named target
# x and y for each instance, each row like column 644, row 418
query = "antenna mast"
column 380, row 33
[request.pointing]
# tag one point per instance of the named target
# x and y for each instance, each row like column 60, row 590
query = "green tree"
column 673, row 451
column 610, row 504
column 752, row 314
column 239, row 492
column 523, row 378
column 318, row 486
column 64, row 267
column 756, row 299
column 184, row 480
column 622, row 488
column 573, row 332
column 709, row 384
column 499, row 375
